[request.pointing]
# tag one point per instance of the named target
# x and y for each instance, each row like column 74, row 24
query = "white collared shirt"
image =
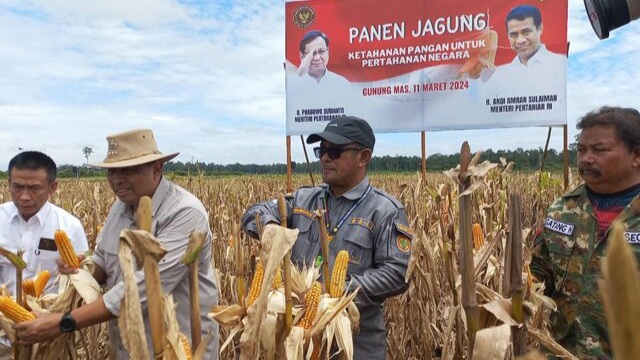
column 16, row 233
column 545, row 73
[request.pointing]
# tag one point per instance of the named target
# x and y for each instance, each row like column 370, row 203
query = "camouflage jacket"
column 566, row 256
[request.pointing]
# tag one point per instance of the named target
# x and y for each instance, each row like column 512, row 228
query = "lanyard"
column 325, row 201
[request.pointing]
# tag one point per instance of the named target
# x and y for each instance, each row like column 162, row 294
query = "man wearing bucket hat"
column 134, row 169
column 364, row 220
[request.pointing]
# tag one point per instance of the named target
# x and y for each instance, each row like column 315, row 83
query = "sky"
column 206, row 76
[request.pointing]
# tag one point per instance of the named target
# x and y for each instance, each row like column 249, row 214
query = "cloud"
column 207, row 76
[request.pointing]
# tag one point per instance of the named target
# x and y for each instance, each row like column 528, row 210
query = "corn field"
column 426, row 322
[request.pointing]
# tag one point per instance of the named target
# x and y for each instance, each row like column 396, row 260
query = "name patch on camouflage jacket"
column 633, row 237
column 559, row 226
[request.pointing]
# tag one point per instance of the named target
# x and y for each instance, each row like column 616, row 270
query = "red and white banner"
column 416, row 65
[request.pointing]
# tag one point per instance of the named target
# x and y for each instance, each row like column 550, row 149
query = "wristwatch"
column 67, row 323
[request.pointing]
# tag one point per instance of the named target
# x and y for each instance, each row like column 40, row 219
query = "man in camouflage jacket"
column 567, row 253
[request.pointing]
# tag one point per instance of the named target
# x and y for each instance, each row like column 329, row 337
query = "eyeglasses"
column 334, row 152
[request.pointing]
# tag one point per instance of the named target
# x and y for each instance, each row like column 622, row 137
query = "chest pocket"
column 109, row 248
column 358, row 241
column 560, row 248
column 302, row 252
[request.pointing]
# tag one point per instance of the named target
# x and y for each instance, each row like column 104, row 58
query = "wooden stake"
column 286, row 269
column 517, row 287
column 289, row 181
column 237, row 246
column 151, row 278
column 191, row 258
column 469, row 300
column 324, row 245
column 424, row 156
column 304, row 148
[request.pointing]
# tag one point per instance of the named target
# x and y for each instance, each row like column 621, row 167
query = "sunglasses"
column 333, row 152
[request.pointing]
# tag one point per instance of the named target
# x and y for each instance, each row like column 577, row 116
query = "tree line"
column 524, row 160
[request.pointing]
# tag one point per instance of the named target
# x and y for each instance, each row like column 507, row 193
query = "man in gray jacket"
column 367, row 222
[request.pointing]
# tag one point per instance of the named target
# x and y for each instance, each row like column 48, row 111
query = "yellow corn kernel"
column 28, row 287
column 277, row 278
column 478, row 236
column 339, row 274
column 184, row 342
column 41, row 282
column 311, row 301
column 67, row 254
column 13, row 311
column 256, row 284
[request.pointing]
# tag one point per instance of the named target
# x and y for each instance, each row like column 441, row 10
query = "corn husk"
column 620, row 291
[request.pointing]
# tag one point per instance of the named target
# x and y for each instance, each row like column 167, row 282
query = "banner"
column 416, row 65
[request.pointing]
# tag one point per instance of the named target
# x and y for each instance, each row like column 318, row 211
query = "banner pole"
column 566, row 156
column 306, row 156
column 544, row 154
column 289, row 185
column 424, row 156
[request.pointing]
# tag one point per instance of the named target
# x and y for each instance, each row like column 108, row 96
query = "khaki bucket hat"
column 131, row 148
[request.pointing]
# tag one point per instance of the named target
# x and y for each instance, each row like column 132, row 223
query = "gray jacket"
column 376, row 235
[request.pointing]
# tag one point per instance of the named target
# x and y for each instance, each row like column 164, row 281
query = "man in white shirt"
column 314, row 93
column 540, row 71
column 314, row 58
column 29, row 221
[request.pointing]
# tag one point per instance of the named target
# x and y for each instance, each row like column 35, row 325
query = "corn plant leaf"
column 13, row 258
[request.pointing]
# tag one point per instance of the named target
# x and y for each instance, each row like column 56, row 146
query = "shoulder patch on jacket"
column 403, row 238
column 303, row 212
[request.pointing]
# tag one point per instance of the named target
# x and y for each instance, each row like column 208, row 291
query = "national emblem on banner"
column 304, row 16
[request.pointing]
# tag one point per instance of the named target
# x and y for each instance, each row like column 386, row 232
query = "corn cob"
column 311, row 300
column 527, row 269
column 478, row 236
column 13, row 311
column 444, row 212
column 184, row 342
column 28, row 287
column 41, row 282
column 256, row 283
column 339, row 274
column 277, row 278
column 65, row 249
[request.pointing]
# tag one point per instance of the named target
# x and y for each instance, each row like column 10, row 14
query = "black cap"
column 345, row 130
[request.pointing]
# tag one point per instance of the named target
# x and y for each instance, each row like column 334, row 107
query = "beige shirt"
column 176, row 213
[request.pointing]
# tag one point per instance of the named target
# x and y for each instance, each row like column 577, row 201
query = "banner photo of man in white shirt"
column 533, row 64
column 311, row 87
